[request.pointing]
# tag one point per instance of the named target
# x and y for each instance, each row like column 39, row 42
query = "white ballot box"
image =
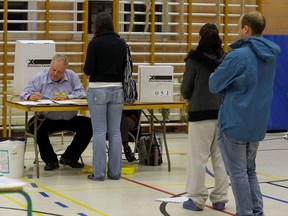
column 31, row 56
column 155, row 83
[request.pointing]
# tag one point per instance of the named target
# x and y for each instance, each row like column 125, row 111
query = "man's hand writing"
column 35, row 96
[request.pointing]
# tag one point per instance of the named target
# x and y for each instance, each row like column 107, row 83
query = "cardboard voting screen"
column 31, row 56
column 155, row 83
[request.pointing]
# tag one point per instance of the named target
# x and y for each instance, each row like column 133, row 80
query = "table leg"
column 29, row 202
column 164, row 139
column 35, row 144
column 27, row 197
column 10, row 113
column 151, row 121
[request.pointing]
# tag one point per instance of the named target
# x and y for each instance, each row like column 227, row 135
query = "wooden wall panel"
column 276, row 15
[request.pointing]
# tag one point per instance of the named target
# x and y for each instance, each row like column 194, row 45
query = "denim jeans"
column 105, row 107
column 239, row 159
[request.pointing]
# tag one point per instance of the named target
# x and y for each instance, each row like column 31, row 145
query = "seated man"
column 130, row 119
column 59, row 83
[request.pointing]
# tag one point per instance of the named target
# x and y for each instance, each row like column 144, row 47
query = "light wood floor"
column 67, row 191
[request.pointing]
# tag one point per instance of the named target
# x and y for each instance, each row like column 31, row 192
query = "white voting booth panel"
column 155, row 83
column 31, row 56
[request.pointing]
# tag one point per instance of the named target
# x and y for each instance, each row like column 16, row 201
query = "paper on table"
column 6, row 183
column 73, row 101
column 48, row 102
column 39, row 102
column 172, row 199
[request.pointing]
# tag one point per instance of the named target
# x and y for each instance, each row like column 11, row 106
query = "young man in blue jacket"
column 245, row 79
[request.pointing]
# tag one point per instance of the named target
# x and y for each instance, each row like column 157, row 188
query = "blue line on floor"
column 44, row 194
column 273, row 198
column 209, row 172
column 81, row 214
column 61, row 204
column 34, row 185
column 269, row 197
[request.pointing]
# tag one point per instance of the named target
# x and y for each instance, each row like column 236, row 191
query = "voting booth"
column 31, row 56
column 155, row 83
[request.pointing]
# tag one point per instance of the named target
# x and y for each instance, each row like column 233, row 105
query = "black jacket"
column 106, row 58
column 203, row 105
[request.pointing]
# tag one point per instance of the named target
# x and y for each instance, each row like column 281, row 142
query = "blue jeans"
column 105, row 107
column 239, row 159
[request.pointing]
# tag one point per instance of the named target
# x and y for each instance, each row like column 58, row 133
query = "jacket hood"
column 209, row 60
column 263, row 48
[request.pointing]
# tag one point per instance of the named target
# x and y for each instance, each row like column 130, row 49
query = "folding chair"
column 28, row 133
column 135, row 133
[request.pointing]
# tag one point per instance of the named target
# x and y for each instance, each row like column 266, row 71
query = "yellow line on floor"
column 67, row 198
column 269, row 176
column 18, row 203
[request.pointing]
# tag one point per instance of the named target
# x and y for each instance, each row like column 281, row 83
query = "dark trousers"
column 82, row 127
column 127, row 124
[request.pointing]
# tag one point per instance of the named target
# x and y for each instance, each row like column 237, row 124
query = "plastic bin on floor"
column 12, row 157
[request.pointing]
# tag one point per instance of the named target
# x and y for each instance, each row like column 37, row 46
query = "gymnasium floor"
column 67, row 191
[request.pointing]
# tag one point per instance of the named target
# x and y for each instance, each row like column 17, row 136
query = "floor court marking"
column 263, row 195
column 169, row 193
column 273, row 198
column 208, row 173
column 40, row 213
column 270, row 176
column 69, row 199
column 44, row 194
column 61, row 204
column 15, row 201
column 25, row 207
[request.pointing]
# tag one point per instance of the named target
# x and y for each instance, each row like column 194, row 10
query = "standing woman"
column 202, row 115
column 105, row 64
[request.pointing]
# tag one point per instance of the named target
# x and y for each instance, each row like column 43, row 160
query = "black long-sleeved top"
column 106, row 58
column 203, row 105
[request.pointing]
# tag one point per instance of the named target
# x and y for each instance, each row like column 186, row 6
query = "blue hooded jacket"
column 245, row 79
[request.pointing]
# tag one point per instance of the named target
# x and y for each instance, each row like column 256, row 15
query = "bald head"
column 255, row 21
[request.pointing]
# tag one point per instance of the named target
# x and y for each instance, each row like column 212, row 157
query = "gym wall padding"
column 278, row 119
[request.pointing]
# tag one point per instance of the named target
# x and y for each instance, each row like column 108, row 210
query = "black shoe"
column 71, row 163
column 91, row 177
column 219, row 206
column 51, row 166
column 114, row 178
column 128, row 154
